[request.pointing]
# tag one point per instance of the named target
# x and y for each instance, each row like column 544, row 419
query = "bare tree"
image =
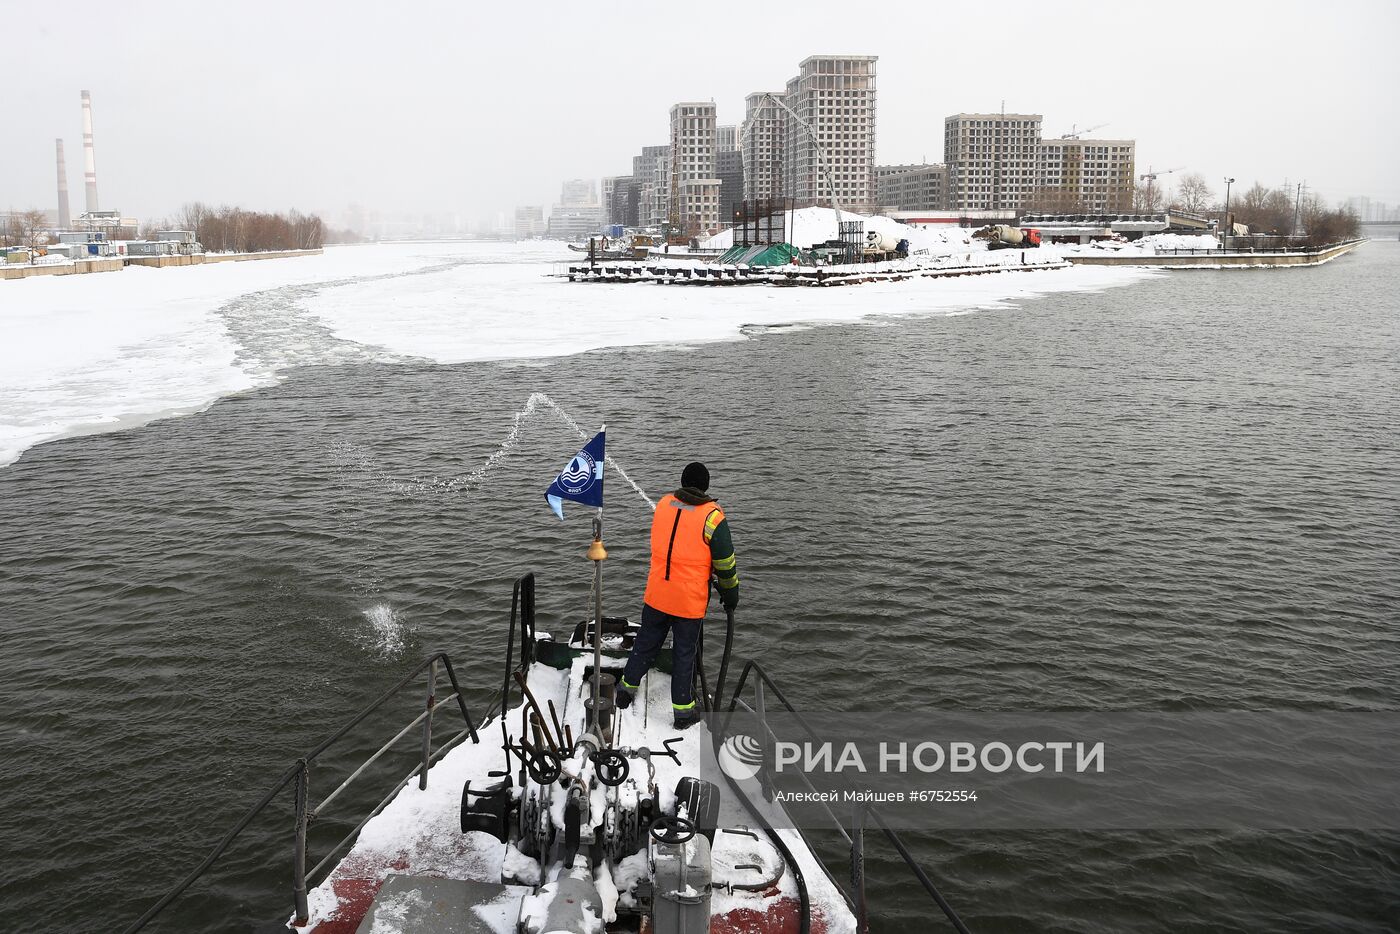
column 1327, row 225
column 308, row 233
column 1147, row 198
column 1054, row 201
column 1264, row 210
column 191, row 217
column 1192, row 193
column 32, row 231
column 1250, row 204
column 1278, row 212
column 234, row 230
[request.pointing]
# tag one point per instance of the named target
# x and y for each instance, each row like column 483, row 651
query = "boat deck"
column 418, row 837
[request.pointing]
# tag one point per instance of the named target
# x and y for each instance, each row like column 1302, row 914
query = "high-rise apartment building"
column 991, row 160
column 761, row 149
column 918, row 187
column 1368, row 210
column 1089, row 176
column 694, row 185
column 729, row 169
column 529, row 222
column 577, row 214
column 834, row 95
column 579, row 192
column 605, row 196
column 619, row 200
column 652, row 171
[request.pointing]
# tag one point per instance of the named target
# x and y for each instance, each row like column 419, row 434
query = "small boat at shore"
column 627, row 246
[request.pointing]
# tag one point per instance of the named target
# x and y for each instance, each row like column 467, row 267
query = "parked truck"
column 1006, row 237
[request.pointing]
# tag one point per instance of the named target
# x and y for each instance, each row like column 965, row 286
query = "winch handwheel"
column 611, row 767
column 671, row 831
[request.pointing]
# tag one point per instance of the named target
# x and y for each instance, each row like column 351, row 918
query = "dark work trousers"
column 685, row 636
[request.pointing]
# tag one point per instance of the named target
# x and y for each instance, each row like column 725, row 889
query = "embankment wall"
column 63, row 269
column 200, row 259
column 1220, row 260
column 115, row 263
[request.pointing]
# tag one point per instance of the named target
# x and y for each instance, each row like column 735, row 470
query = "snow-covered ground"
column 80, row 354
column 51, row 259
column 92, row 353
column 810, row 226
column 1150, row 245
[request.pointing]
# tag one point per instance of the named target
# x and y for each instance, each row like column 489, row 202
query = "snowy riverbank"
column 95, row 353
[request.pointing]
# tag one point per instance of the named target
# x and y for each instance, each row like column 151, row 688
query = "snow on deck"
column 419, row 831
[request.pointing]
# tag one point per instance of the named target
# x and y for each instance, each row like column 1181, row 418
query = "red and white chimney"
column 89, row 157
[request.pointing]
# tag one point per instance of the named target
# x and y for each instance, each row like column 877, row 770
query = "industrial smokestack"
column 65, row 220
column 89, row 157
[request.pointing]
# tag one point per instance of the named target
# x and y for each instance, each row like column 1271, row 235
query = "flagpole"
column 597, row 554
column 597, row 622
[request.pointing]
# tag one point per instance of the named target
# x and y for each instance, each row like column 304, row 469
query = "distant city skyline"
column 487, row 110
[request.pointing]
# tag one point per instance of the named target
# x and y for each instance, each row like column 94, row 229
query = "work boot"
column 685, row 719
column 622, row 698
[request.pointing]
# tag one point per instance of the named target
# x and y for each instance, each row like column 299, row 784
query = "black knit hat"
column 696, row 475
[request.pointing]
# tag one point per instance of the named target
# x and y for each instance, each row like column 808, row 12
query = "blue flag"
column 581, row 480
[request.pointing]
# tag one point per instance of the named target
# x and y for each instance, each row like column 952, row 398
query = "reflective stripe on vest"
column 679, row 580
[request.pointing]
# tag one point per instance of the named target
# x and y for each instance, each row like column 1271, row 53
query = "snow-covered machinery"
column 882, row 245
column 1006, row 237
column 560, row 814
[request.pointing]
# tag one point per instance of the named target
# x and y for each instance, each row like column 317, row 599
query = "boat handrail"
column 523, row 617
column 522, row 611
column 299, row 775
column 764, row 683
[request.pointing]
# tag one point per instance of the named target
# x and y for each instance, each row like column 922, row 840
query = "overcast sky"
column 472, row 108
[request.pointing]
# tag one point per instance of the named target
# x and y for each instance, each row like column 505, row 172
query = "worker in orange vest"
column 690, row 544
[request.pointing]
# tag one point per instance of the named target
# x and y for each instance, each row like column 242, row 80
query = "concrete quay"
column 1214, row 260
column 117, row 263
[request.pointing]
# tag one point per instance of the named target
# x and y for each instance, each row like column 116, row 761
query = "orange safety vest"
column 679, row 582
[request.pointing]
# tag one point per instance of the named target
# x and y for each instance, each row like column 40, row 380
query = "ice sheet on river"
column 100, row 352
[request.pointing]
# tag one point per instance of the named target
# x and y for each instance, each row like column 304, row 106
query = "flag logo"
column 579, row 474
column 581, row 480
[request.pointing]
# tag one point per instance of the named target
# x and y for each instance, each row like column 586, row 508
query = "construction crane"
column 1075, row 132
column 672, row 232
column 816, row 144
column 1150, row 176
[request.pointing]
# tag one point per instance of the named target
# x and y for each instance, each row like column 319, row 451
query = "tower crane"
column 1150, row 176
column 1075, row 132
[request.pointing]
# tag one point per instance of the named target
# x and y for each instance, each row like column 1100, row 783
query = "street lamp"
column 1229, row 227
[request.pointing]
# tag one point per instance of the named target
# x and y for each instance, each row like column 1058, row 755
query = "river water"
column 1181, row 494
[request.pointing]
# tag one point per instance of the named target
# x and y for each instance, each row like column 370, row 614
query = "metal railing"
column 763, row 684
column 522, row 613
column 1263, row 248
column 298, row 775
column 522, row 618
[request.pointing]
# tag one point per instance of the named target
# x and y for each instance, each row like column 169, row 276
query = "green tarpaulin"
column 774, row 254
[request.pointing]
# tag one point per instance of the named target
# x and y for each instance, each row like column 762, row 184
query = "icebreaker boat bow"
column 549, row 819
